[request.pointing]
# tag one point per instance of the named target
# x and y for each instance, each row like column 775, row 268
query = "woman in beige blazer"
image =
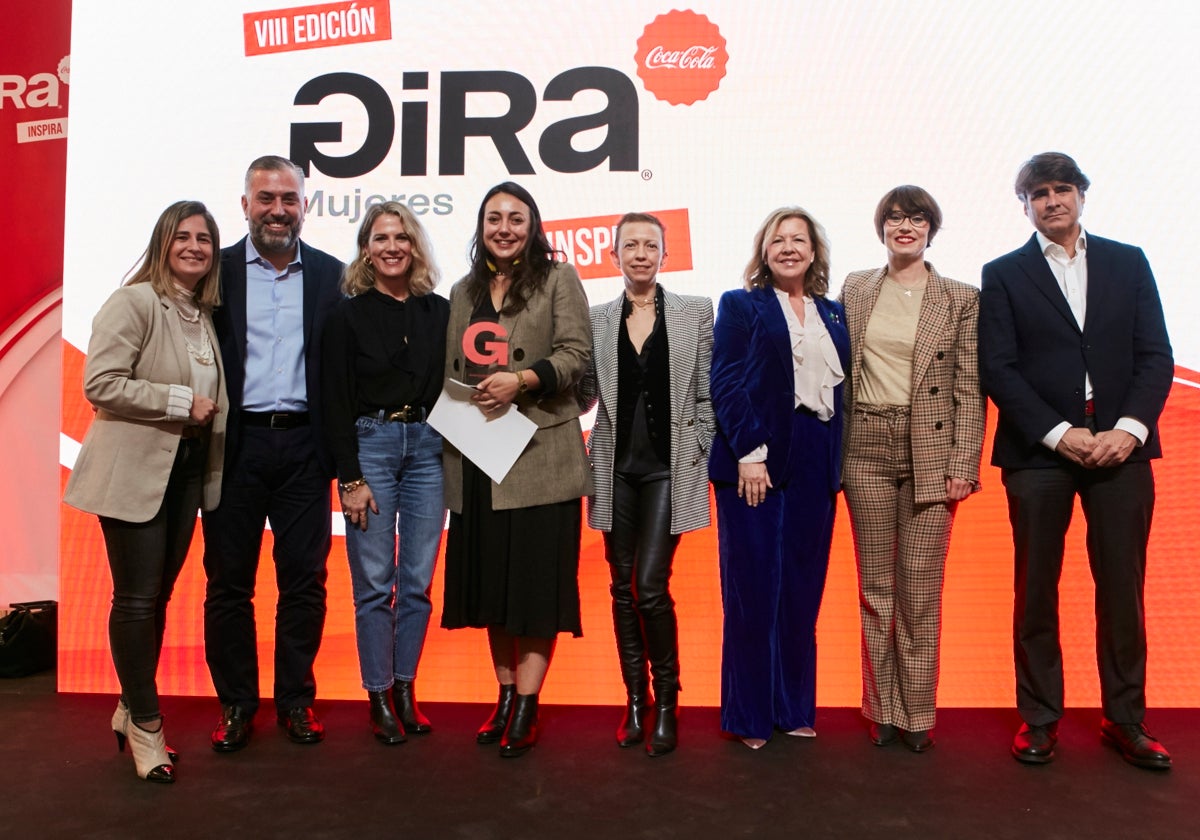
column 153, row 454
column 519, row 332
column 914, row 430
column 650, row 362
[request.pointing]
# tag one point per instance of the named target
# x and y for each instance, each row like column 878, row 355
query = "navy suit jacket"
column 753, row 384
column 1033, row 356
column 322, row 276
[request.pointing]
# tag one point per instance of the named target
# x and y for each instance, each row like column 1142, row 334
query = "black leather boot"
column 631, row 651
column 384, row 724
column 493, row 730
column 405, row 703
column 522, row 732
column 664, row 737
column 662, row 644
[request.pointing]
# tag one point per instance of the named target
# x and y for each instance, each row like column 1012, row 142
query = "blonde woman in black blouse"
column 383, row 355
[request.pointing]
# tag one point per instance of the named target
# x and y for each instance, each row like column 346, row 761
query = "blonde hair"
column 816, row 279
column 154, row 264
column 423, row 275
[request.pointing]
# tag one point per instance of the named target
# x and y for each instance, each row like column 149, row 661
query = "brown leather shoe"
column 1035, row 744
column 302, row 725
column 1136, row 744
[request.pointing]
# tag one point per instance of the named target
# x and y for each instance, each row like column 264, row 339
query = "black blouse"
column 643, row 399
column 379, row 353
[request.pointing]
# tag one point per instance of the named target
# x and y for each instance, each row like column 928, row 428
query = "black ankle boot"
column 384, row 724
column 493, row 730
column 665, row 736
column 637, row 706
column 405, row 703
column 522, row 732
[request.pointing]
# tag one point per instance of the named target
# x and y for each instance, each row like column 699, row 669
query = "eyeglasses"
column 896, row 218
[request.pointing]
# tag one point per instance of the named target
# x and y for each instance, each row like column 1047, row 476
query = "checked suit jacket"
column 948, row 408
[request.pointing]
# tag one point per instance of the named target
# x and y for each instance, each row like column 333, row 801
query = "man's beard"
column 268, row 242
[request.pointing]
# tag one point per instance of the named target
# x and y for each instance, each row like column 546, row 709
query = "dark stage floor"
column 60, row 776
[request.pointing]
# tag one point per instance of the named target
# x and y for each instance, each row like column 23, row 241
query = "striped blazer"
column 947, row 403
column 689, row 323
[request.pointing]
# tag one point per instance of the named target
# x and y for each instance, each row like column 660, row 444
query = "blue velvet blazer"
column 753, row 384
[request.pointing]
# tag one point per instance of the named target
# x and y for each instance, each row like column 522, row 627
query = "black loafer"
column 1136, row 745
column 1035, row 744
column 302, row 725
column 883, row 734
column 233, row 730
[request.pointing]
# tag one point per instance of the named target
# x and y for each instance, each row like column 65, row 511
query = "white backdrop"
column 824, row 104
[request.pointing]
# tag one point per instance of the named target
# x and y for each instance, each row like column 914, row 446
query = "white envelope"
column 492, row 442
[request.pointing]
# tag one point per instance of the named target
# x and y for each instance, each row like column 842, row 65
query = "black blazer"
column 322, row 276
column 1033, row 356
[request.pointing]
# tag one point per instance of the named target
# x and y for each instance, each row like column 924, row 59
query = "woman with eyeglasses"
column 914, row 418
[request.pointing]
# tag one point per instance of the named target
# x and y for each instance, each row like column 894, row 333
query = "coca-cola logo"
column 681, row 57
column 693, row 58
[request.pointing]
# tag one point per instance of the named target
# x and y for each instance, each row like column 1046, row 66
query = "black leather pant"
column 640, row 548
column 145, row 559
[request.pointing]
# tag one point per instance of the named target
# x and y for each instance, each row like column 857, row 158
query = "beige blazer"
column 947, row 403
column 135, row 354
column 554, row 326
column 689, row 324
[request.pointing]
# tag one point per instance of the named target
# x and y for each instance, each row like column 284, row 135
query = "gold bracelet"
column 351, row 486
column 522, row 386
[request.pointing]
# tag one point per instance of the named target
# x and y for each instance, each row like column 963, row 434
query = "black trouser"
column 1118, row 504
column 145, row 559
column 640, row 548
column 275, row 477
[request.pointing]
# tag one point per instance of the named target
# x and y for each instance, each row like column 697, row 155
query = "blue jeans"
column 402, row 463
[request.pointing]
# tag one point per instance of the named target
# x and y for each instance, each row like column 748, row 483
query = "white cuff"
column 179, row 402
column 1135, row 427
column 755, row 456
column 1050, row 441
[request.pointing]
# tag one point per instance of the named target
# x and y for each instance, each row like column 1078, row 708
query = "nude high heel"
column 150, row 754
column 120, row 722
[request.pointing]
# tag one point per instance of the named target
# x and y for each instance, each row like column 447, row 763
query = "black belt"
column 278, row 420
column 407, row 414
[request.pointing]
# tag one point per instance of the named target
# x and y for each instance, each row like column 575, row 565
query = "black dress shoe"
column 302, row 725
column 1035, row 744
column 883, row 734
column 1136, row 744
column 233, row 731
column 522, row 732
column 410, row 715
column 918, row 741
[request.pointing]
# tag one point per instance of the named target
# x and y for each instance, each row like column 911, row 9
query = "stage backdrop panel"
column 711, row 116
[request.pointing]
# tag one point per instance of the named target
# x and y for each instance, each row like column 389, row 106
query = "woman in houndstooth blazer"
column 649, row 450
column 914, row 430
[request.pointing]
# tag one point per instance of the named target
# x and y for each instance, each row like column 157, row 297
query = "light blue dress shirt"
column 275, row 379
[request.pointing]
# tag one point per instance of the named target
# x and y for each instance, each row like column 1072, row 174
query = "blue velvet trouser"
column 773, row 561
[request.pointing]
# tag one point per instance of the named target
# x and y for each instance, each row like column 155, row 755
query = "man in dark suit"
column 276, row 294
column 1073, row 350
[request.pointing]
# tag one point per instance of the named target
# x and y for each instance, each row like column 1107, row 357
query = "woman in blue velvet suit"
column 779, row 352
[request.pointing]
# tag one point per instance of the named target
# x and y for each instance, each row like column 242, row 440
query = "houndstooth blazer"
column 947, row 403
column 689, row 323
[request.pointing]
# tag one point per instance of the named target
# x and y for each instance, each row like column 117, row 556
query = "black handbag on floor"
column 28, row 638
